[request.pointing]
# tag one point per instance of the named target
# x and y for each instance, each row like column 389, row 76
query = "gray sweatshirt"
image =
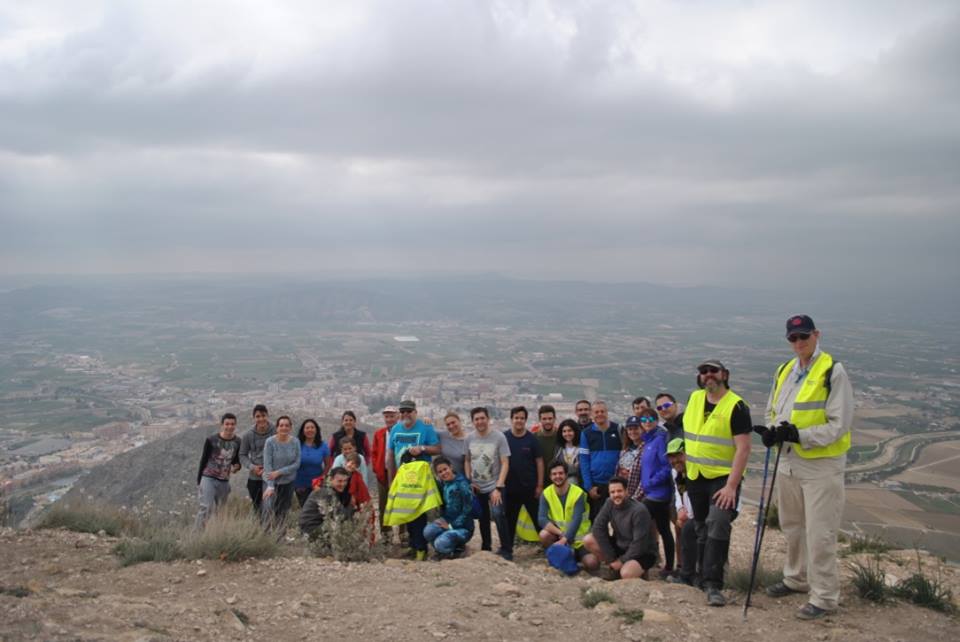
column 631, row 530
column 251, row 448
column 281, row 457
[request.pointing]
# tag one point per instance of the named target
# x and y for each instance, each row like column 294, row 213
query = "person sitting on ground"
column 330, row 500
column 450, row 532
column 629, row 553
column 563, row 508
column 687, row 542
column 359, row 493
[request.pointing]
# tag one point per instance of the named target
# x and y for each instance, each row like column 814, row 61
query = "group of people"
column 596, row 495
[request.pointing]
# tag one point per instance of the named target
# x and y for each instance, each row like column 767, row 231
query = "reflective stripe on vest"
column 561, row 515
column 810, row 406
column 412, row 493
column 709, row 442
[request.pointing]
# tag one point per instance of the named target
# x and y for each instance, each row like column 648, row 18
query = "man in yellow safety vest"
column 563, row 509
column 809, row 414
column 716, row 429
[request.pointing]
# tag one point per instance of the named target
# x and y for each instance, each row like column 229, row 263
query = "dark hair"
column 517, row 409
column 576, row 432
column 648, row 412
column 281, row 418
column 440, row 459
column 546, row 409
column 347, row 413
column 339, row 470
column 640, row 400
column 617, row 480
column 724, row 380
column 667, row 395
column 558, row 464
column 346, row 441
column 260, row 408
column 476, row 411
column 303, row 439
column 227, row 415
column 586, row 401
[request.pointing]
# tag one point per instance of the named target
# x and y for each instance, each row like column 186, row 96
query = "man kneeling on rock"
column 331, row 500
column 631, row 551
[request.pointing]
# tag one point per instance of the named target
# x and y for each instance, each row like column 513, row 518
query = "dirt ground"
column 58, row 585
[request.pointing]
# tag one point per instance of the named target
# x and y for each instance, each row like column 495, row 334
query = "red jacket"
column 358, row 489
column 378, row 454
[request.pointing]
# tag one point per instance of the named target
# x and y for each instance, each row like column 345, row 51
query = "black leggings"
column 660, row 512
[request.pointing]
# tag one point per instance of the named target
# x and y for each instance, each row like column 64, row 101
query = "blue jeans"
column 446, row 540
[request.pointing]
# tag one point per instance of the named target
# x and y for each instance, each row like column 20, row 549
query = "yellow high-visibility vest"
column 562, row 514
column 709, row 442
column 526, row 528
column 412, row 493
column 810, row 405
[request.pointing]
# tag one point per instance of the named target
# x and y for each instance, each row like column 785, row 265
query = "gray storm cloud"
column 642, row 140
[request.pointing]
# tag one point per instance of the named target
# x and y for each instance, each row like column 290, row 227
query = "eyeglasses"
column 708, row 369
column 405, row 411
column 665, row 405
column 800, row 336
column 648, row 420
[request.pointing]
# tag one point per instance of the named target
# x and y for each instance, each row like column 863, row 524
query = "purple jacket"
column 655, row 475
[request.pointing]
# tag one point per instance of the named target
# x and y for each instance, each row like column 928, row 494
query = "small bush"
column 870, row 581
column 630, row 616
column 232, row 537
column 773, row 517
column 867, row 544
column 349, row 540
column 926, row 592
column 590, row 597
column 738, row 578
column 89, row 518
column 157, row 546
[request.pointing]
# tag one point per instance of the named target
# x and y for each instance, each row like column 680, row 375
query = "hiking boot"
column 507, row 555
column 715, row 597
column 608, row 574
column 780, row 590
column 811, row 612
column 666, row 574
column 679, row 579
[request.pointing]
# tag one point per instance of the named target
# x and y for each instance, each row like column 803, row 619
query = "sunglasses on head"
column 708, row 369
column 665, row 405
column 800, row 336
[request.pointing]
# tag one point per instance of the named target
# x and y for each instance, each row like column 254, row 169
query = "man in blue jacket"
column 599, row 453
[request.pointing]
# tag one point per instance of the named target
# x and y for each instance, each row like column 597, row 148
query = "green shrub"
column 870, row 581
column 927, row 592
column 630, row 616
column 738, row 578
column 590, row 597
column 349, row 540
column 89, row 518
column 230, row 536
column 773, row 516
column 156, row 546
column 867, row 544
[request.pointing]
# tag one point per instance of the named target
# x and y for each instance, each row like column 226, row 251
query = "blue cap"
column 633, row 420
column 561, row 557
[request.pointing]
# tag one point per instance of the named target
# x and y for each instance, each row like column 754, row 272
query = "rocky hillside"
column 58, row 585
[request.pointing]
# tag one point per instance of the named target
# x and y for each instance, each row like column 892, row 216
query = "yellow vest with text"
column 810, row 405
column 412, row 493
column 708, row 442
column 561, row 515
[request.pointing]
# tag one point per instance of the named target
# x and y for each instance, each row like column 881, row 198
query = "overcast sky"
column 687, row 142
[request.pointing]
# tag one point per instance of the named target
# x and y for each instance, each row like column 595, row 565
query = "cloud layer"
column 675, row 142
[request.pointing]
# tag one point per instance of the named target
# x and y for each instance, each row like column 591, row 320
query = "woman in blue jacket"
column 657, row 482
column 450, row 533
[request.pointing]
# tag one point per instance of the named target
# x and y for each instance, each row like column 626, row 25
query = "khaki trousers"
column 811, row 508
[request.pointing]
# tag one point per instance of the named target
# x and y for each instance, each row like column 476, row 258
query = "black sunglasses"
column 708, row 369
column 793, row 338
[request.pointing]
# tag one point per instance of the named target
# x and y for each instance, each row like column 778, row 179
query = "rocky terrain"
column 59, row 585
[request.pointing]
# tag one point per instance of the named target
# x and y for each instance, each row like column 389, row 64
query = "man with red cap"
column 809, row 414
